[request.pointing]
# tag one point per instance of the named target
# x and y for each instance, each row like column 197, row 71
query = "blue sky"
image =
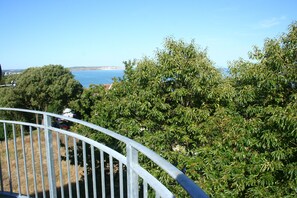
column 106, row 33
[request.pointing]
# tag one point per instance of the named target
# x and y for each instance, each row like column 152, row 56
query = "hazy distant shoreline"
column 82, row 68
column 75, row 68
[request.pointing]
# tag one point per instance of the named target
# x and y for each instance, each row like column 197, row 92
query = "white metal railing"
column 39, row 159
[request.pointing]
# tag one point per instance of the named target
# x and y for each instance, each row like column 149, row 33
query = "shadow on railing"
column 39, row 159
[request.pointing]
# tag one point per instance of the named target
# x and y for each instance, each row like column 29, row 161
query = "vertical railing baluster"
column 132, row 177
column 7, row 158
column 85, row 170
column 157, row 195
column 111, row 176
column 102, row 173
column 121, row 179
column 33, row 162
column 50, row 156
column 60, row 166
column 68, row 166
column 144, row 189
column 76, row 168
column 16, row 160
column 93, row 172
column 25, row 159
column 41, row 163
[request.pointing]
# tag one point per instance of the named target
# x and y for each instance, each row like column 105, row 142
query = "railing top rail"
column 193, row 189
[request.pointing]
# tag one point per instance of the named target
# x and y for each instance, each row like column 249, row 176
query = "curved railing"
column 39, row 159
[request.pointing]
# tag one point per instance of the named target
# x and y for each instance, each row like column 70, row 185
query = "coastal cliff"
column 81, row 68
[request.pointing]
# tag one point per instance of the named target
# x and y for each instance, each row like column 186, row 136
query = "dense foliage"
column 234, row 136
column 47, row 88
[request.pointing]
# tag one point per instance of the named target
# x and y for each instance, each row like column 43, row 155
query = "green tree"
column 47, row 88
column 161, row 102
column 86, row 102
column 235, row 136
column 266, row 99
column 157, row 95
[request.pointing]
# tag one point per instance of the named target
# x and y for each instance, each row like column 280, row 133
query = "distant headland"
column 82, row 68
column 73, row 68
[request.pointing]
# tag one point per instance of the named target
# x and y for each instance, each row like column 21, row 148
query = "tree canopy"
column 47, row 88
column 235, row 136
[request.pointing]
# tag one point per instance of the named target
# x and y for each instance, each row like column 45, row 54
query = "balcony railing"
column 38, row 158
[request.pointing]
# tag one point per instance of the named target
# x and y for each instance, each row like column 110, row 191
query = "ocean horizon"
column 100, row 77
column 97, row 77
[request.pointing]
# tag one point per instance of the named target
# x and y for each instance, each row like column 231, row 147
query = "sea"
column 88, row 77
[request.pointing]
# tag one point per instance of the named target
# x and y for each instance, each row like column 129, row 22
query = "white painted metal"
column 40, row 163
column 60, row 167
column 76, row 168
column 7, row 159
column 50, row 156
column 16, row 160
